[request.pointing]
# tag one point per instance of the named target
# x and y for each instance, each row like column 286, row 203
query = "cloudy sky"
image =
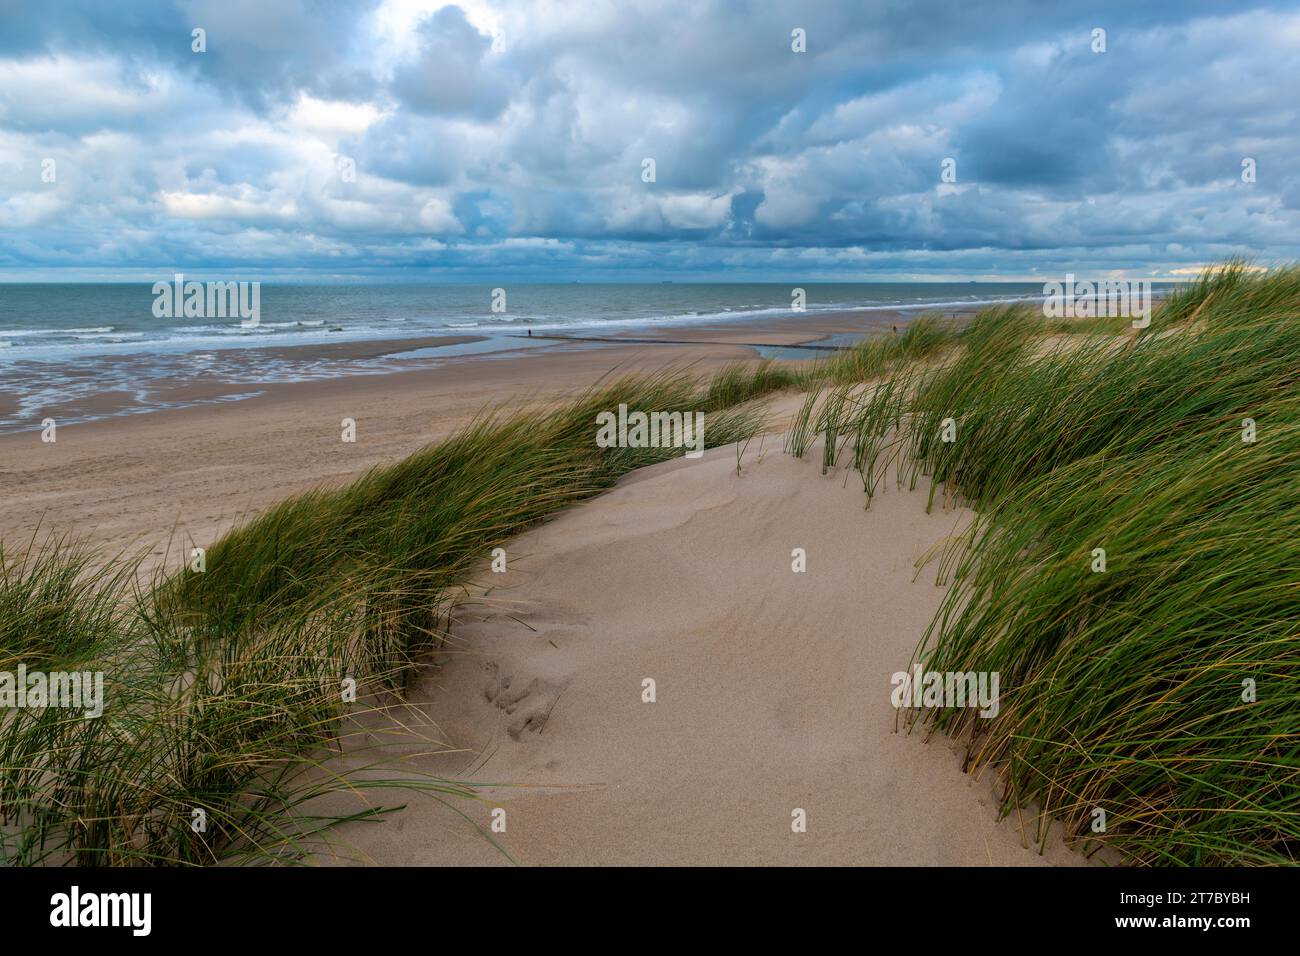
column 507, row 140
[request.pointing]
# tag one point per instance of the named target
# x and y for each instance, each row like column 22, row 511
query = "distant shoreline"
column 53, row 323
column 110, row 386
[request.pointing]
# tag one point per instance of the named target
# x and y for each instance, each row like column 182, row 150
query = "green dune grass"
column 924, row 336
column 1164, row 690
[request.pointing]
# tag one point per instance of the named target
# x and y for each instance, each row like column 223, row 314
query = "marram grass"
column 926, row 335
column 223, row 689
column 1165, row 689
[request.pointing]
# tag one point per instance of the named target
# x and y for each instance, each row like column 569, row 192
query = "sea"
column 67, row 342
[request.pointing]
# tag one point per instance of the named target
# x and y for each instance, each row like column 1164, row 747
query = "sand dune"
column 772, row 687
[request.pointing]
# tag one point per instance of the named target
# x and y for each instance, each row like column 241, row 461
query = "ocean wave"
column 23, row 333
column 624, row 315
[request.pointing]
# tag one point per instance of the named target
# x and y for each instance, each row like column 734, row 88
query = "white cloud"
column 331, row 120
column 248, row 206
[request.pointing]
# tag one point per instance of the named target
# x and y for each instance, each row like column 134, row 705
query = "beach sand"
column 185, row 475
column 773, row 688
column 181, row 476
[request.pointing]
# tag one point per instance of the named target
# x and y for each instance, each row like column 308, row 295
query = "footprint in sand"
column 528, row 701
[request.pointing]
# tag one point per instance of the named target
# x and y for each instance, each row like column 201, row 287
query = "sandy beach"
column 684, row 660
column 182, row 475
column 765, row 704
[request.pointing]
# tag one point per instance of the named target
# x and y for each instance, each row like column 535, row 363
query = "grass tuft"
column 1166, row 689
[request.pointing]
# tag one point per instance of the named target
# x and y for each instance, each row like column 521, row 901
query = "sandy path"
column 772, row 687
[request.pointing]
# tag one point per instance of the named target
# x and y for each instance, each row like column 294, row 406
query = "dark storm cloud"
column 258, row 50
column 450, row 76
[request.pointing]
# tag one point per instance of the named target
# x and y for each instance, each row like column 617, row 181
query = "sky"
column 336, row 140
